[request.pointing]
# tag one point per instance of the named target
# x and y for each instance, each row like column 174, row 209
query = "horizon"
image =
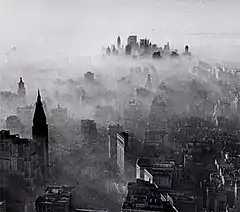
column 47, row 29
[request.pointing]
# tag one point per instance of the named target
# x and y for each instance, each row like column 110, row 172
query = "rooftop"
column 155, row 162
column 146, row 196
column 55, row 194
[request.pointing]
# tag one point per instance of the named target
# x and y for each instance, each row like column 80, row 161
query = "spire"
column 39, row 118
column 39, row 96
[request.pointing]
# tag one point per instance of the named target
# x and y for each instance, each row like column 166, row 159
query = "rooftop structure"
column 56, row 198
column 145, row 196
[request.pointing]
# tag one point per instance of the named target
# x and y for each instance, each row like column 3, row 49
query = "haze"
column 49, row 28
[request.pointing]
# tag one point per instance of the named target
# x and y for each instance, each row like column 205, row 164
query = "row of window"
column 6, row 146
column 7, row 165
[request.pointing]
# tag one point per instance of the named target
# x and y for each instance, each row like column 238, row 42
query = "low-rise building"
column 162, row 172
column 55, row 199
column 145, row 196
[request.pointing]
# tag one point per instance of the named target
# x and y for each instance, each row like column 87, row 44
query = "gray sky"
column 76, row 27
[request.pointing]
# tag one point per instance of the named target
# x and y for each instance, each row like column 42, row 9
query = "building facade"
column 13, row 124
column 120, row 152
column 89, row 129
column 113, row 129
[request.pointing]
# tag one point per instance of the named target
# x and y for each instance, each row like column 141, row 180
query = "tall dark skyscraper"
column 21, row 88
column 40, row 136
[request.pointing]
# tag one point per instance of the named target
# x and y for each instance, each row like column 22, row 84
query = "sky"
column 46, row 28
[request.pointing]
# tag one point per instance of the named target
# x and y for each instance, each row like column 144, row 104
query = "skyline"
column 46, row 28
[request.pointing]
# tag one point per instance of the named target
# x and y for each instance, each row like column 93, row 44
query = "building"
column 59, row 115
column 159, row 114
column 166, row 49
column 132, row 40
column 89, row 76
column 2, row 207
column 25, row 114
column 156, row 54
column 162, row 172
column 148, row 84
column 186, row 50
column 55, row 199
column 17, row 158
column 21, row 88
column 156, row 137
column 145, row 196
column 108, row 51
column 40, row 136
column 89, row 129
column 13, row 124
column 128, row 50
column 118, row 42
column 113, row 129
column 123, row 145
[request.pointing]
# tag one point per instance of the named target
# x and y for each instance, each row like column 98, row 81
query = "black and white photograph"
column 119, row 106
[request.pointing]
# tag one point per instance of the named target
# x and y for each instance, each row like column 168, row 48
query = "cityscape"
column 119, row 106
column 143, row 48
column 168, row 149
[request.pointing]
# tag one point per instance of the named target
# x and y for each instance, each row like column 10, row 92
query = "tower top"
column 39, row 118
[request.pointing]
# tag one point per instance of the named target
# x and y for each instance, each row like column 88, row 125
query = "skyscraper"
column 21, row 88
column 118, row 42
column 40, row 136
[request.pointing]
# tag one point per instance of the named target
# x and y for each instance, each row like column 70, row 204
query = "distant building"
column 145, row 196
column 89, row 76
column 59, row 114
column 156, row 137
column 159, row 114
column 13, row 124
column 25, row 114
column 113, row 129
column 123, row 145
column 89, row 129
column 128, row 50
column 132, row 40
column 21, row 88
column 2, row 207
column 118, row 42
column 56, row 198
column 148, row 83
column 108, row 51
column 186, row 50
column 167, row 48
column 174, row 53
column 159, row 171
column 156, row 55
column 143, row 92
